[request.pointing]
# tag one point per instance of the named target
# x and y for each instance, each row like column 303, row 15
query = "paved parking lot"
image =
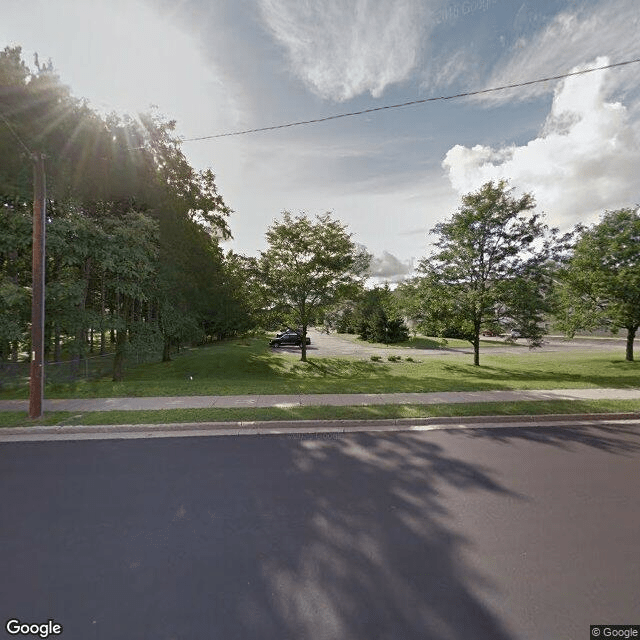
column 332, row 345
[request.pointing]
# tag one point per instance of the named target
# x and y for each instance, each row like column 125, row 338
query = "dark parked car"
column 287, row 330
column 288, row 337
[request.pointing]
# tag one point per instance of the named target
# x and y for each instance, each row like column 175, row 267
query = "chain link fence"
column 16, row 374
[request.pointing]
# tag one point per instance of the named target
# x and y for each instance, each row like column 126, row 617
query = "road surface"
column 489, row 533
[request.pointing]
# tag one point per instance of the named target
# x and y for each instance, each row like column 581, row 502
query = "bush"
column 394, row 358
column 376, row 358
column 376, row 319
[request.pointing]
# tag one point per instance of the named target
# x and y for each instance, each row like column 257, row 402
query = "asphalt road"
column 490, row 533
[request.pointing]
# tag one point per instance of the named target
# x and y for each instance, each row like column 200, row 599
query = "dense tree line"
column 133, row 230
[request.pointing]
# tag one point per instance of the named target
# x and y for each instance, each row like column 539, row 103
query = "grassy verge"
column 249, row 367
column 168, row 416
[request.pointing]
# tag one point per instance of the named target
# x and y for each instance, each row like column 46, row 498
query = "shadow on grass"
column 340, row 368
column 250, row 367
column 497, row 374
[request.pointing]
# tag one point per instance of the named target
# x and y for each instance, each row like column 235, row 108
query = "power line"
column 412, row 102
column 17, row 137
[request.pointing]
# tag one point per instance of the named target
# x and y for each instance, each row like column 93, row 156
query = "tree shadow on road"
column 610, row 438
column 299, row 537
column 356, row 542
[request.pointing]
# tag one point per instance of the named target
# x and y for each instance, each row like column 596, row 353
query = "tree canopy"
column 133, row 229
column 376, row 316
column 490, row 265
column 600, row 284
column 310, row 265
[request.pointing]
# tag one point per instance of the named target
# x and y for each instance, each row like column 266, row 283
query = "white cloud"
column 342, row 48
column 608, row 28
column 586, row 158
column 389, row 267
column 459, row 65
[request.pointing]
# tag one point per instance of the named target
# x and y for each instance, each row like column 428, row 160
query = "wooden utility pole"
column 36, row 380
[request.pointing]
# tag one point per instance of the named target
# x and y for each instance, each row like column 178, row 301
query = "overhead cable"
column 17, row 137
column 411, row 103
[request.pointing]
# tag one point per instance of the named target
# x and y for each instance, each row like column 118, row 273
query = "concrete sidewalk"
column 329, row 399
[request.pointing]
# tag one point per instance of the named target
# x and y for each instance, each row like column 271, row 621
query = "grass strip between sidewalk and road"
column 169, row 416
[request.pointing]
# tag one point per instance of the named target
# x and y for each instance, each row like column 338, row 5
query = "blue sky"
column 219, row 66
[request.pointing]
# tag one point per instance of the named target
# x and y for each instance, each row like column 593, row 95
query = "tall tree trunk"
column 121, row 343
column 302, row 310
column 476, row 344
column 166, row 350
column 118, row 359
column 631, row 335
column 304, row 343
column 102, row 330
column 57, row 345
column 113, row 333
column 82, row 337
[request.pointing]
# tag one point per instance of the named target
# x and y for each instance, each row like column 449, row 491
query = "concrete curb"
column 309, row 427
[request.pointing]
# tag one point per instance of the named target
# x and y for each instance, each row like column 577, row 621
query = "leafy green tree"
column 242, row 299
column 133, row 230
column 600, row 284
column 491, row 262
column 130, row 264
column 310, row 266
column 15, row 274
column 434, row 312
column 377, row 317
column 73, row 241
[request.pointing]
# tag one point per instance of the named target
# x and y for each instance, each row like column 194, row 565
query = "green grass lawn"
column 168, row 416
column 248, row 366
